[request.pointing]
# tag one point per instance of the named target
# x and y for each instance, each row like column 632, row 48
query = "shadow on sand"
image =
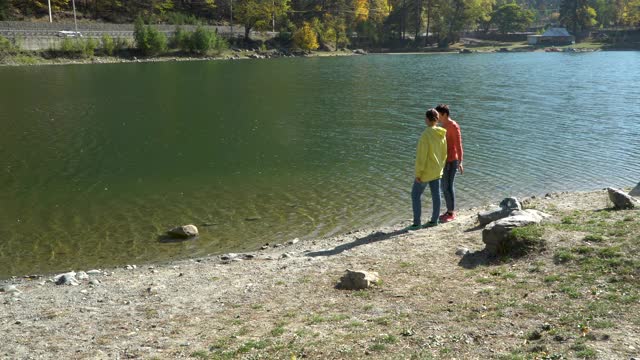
column 369, row 239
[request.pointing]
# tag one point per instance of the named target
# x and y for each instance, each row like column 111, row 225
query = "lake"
column 98, row 161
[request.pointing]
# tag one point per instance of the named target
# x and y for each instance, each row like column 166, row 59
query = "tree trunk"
column 418, row 19
column 426, row 37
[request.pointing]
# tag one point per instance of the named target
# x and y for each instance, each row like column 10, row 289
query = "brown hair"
column 443, row 108
column 432, row 114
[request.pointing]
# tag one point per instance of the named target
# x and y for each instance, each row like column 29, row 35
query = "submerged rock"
column 635, row 191
column 184, row 231
column 358, row 280
column 621, row 200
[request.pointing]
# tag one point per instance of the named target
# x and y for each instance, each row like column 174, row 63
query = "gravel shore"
column 282, row 302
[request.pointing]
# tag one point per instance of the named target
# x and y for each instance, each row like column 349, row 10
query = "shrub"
column 180, row 39
column 108, row 45
column 148, row 40
column 305, row 38
column 204, row 41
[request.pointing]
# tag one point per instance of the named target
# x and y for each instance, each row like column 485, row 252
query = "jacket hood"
column 439, row 132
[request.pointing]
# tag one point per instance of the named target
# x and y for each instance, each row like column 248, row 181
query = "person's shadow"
column 369, row 239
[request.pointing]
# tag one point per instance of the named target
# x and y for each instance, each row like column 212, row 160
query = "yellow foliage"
column 305, row 38
column 362, row 10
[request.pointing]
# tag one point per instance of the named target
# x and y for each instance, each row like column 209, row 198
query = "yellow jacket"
column 431, row 154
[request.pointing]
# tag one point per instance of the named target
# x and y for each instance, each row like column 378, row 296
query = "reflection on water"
column 97, row 161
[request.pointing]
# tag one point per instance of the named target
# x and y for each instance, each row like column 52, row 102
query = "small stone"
column 277, row 245
column 42, row 283
column 94, row 282
column 229, row 256
column 18, row 322
column 462, row 251
column 154, row 271
column 545, row 327
column 83, row 291
column 285, row 256
column 82, row 275
column 358, row 279
column 129, row 267
column 94, row 272
column 264, row 247
column 294, row 241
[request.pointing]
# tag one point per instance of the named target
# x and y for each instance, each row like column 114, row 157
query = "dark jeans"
column 448, row 189
column 416, row 193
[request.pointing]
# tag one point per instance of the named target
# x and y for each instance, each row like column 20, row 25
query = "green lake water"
column 97, row 161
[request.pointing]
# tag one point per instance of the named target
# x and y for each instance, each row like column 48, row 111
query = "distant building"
column 553, row 36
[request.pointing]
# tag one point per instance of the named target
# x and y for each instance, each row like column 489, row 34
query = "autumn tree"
column 577, row 15
column 306, row 38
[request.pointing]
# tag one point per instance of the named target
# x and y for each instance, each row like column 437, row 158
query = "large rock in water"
column 496, row 235
column 506, row 207
column 621, row 200
column 358, row 280
column 184, row 231
column 635, row 191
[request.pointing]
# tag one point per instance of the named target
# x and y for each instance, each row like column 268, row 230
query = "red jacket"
column 454, row 141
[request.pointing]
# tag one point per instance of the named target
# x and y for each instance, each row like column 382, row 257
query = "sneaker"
column 446, row 217
column 413, row 227
column 430, row 224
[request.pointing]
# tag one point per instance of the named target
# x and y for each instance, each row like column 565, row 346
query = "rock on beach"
column 184, row 231
column 621, row 200
column 358, row 280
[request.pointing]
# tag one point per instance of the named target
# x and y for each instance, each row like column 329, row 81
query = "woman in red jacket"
column 454, row 161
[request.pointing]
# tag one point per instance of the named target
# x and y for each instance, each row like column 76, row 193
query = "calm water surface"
column 97, row 161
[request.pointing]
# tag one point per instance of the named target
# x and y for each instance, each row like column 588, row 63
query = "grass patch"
column 251, row 344
column 563, row 255
column 552, row 278
column 594, row 238
column 524, row 240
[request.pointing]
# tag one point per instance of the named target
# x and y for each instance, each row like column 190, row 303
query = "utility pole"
column 75, row 21
column 50, row 17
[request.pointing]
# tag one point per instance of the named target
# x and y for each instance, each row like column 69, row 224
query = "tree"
column 511, row 17
column 4, row 9
column 577, row 15
column 631, row 13
column 306, row 38
column 256, row 12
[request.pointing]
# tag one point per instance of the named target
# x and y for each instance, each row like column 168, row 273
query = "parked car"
column 69, row 34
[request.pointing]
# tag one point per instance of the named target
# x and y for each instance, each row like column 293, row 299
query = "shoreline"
column 282, row 302
column 33, row 59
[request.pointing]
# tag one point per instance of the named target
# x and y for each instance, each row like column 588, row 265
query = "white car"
column 69, row 34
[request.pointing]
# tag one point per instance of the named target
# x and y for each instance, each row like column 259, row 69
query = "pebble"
column 285, row 255
column 66, row 279
column 94, row 272
column 294, row 241
column 277, row 245
column 462, row 251
column 94, row 282
column 82, row 275
column 83, row 291
column 264, row 247
column 131, row 267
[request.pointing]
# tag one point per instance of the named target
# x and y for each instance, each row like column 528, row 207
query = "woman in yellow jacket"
column 431, row 157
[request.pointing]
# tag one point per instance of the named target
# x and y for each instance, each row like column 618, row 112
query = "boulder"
column 496, row 234
column 184, row 231
column 621, row 200
column 358, row 280
column 506, row 207
column 359, row 52
column 635, row 191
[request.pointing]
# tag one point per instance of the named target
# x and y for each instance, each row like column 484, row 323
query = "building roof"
column 556, row 32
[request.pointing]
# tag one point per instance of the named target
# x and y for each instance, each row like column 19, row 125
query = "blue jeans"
column 416, row 193
column 448, row 189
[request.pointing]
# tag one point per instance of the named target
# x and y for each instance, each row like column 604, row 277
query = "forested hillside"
column 336, row 21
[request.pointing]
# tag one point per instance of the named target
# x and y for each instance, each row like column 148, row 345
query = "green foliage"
column 180, row 39
column 6, row 46
column 78, row 48
column 306, row 38
column 4, row 9
column 512, row 17
column 577, row 15
column 176, row 18
column 203, row 40
column 108, row 44
column 149, row 40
